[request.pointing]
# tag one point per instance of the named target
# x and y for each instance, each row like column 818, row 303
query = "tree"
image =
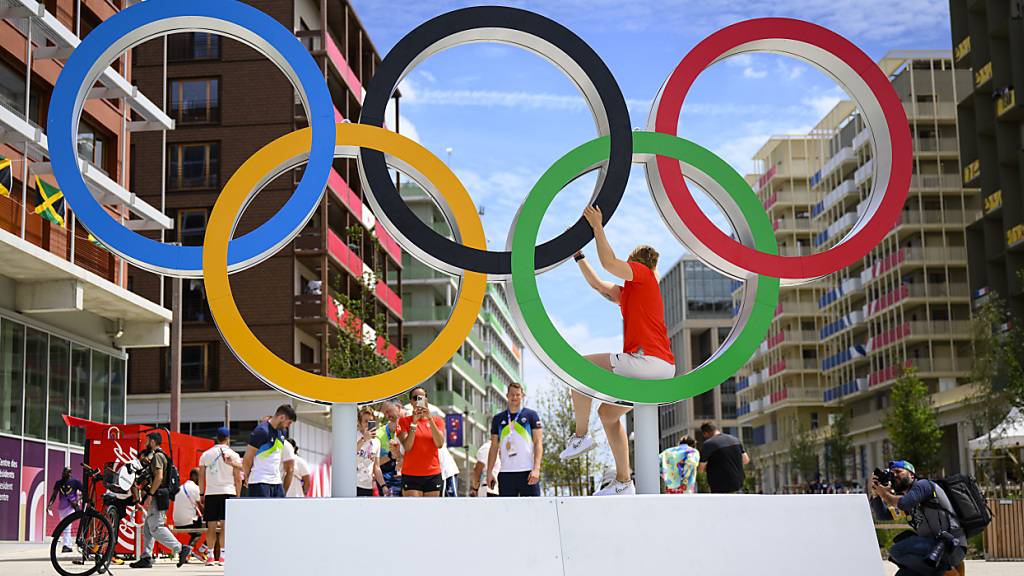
column 839, row 444
column 803, row 454
column 575, row 477
column 912, row 424
column 352, row 354
column 997, row 378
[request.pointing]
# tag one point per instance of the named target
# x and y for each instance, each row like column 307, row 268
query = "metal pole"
column 176, row 355
column 645, row 443
column 227, row 413
column 343, row 450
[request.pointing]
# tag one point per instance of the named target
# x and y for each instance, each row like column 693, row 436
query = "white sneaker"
column 577, row 446
column 617, row 489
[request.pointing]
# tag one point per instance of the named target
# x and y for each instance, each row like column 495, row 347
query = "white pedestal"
column 694, row 534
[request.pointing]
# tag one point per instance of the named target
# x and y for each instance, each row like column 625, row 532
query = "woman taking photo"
column 367, row 455
column 422, row 435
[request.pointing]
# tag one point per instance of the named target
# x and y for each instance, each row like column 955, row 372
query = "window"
column 194, row 361
column 36, row 343
column 192, row 166
column 194, row 307
column 12, row 375
column 60, row 369
column 100, row 387
column 195, row 101
column 193, row 46
column 79, row 389
column 12, row 93
column 306, row 354
column 192, row 227
column 117, row 387
column 92, row 146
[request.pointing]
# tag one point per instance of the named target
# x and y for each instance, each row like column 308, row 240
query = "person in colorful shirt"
column 367, row 455
column 679, row 467
column 422, row 437
column 68, row 493
column 516, row 437
column 261, row 465
column 646, row 352
column 391, row 448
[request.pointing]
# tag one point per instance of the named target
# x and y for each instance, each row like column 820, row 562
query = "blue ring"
column 187, row 260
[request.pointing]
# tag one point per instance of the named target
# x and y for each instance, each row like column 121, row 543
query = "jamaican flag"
column 50, row 202
column 6, row 178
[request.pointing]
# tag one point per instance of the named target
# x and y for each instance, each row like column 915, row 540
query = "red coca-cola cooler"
column 118, row 444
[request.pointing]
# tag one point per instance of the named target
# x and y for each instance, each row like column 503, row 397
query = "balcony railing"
column 427, row 313
column 929, row 110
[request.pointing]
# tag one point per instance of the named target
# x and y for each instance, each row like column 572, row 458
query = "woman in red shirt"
column 422, row 435
column 646, row 352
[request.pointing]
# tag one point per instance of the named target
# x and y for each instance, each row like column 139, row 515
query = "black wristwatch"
column 579, row 255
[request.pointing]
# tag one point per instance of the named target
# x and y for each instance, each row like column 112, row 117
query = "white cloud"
column 823, row 103
column 756, row 73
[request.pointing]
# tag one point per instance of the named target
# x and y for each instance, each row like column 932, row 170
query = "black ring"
column 381, row 189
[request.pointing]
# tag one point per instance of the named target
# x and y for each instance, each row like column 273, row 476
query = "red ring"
column 755, row 261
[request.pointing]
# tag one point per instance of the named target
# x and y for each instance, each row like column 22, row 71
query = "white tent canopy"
column 1008, row 434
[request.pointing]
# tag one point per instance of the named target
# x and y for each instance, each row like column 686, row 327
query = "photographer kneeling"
column 938, row 542
column 156, row 499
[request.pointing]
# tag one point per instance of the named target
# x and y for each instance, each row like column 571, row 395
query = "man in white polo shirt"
column 220, row 479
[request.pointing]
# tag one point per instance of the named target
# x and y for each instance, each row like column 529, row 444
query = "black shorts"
column 516, row 484
column 422, row 483
column 213, row 507
column 363, row 492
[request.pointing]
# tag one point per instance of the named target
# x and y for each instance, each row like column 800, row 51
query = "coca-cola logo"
column 126, row 527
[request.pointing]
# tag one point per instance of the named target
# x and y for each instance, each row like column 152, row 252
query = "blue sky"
column 508, row 114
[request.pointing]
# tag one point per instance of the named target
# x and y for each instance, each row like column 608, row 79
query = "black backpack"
column 968, row 502
column 172, row 480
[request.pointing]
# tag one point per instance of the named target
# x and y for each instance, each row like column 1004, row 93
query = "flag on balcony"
column 95, row 242
column 50, row 204
column 6, row 177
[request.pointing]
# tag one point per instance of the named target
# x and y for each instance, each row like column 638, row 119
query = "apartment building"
column 474, row 382
column 698, row 314
column 986, row 37
column 67, row 318
column 840, row 343
column 228, row 101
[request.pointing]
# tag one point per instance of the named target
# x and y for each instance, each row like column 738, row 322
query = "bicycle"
column 94, row 541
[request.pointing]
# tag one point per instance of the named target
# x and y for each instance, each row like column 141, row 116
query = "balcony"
column 793, row 225
column 852, row 319
column 840, row 226
column 956, row 218
column 796, row 308
column 426, row 315
column 309, row 307
column 344, row 193
column 852, row 387
column 932, row 145
column 765, row 178
column 864, row 173
column 842, row 357
column 935, row 182
column 791, row 199
column 341, row 66
column 847, row 286
column 1015, row 236
column 469, row 371
column 844, row 156
column 930, row 110
column 862, row 138
column 344, row 256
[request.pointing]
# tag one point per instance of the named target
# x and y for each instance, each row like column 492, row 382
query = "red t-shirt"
column 423, row 459
column 643, row 315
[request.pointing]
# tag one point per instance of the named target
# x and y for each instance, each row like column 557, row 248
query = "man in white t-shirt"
column 187, row 506
column 301, row 478
column 489, row 487
column 220, row 479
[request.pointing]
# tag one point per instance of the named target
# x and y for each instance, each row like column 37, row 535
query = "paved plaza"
column 17, row 559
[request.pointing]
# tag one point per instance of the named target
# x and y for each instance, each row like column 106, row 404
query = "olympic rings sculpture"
column 752, row 257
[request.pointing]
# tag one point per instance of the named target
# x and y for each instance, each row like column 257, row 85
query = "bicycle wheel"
column 92, row 543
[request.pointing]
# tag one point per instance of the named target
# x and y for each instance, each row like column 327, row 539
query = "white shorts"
column 638, row 365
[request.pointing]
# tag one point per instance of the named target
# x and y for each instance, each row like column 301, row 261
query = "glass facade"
column 708, row 293
column 44, row 376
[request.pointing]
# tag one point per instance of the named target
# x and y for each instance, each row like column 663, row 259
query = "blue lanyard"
column 511, row 420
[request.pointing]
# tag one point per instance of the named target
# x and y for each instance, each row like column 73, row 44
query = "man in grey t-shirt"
column 722, row 457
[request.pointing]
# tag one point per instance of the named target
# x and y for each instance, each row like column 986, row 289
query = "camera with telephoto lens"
column 946, row 542
column 884, row 477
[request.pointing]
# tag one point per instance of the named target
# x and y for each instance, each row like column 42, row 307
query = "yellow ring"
column 265, row 364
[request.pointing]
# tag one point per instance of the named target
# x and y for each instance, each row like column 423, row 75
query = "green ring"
column 537, row 321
